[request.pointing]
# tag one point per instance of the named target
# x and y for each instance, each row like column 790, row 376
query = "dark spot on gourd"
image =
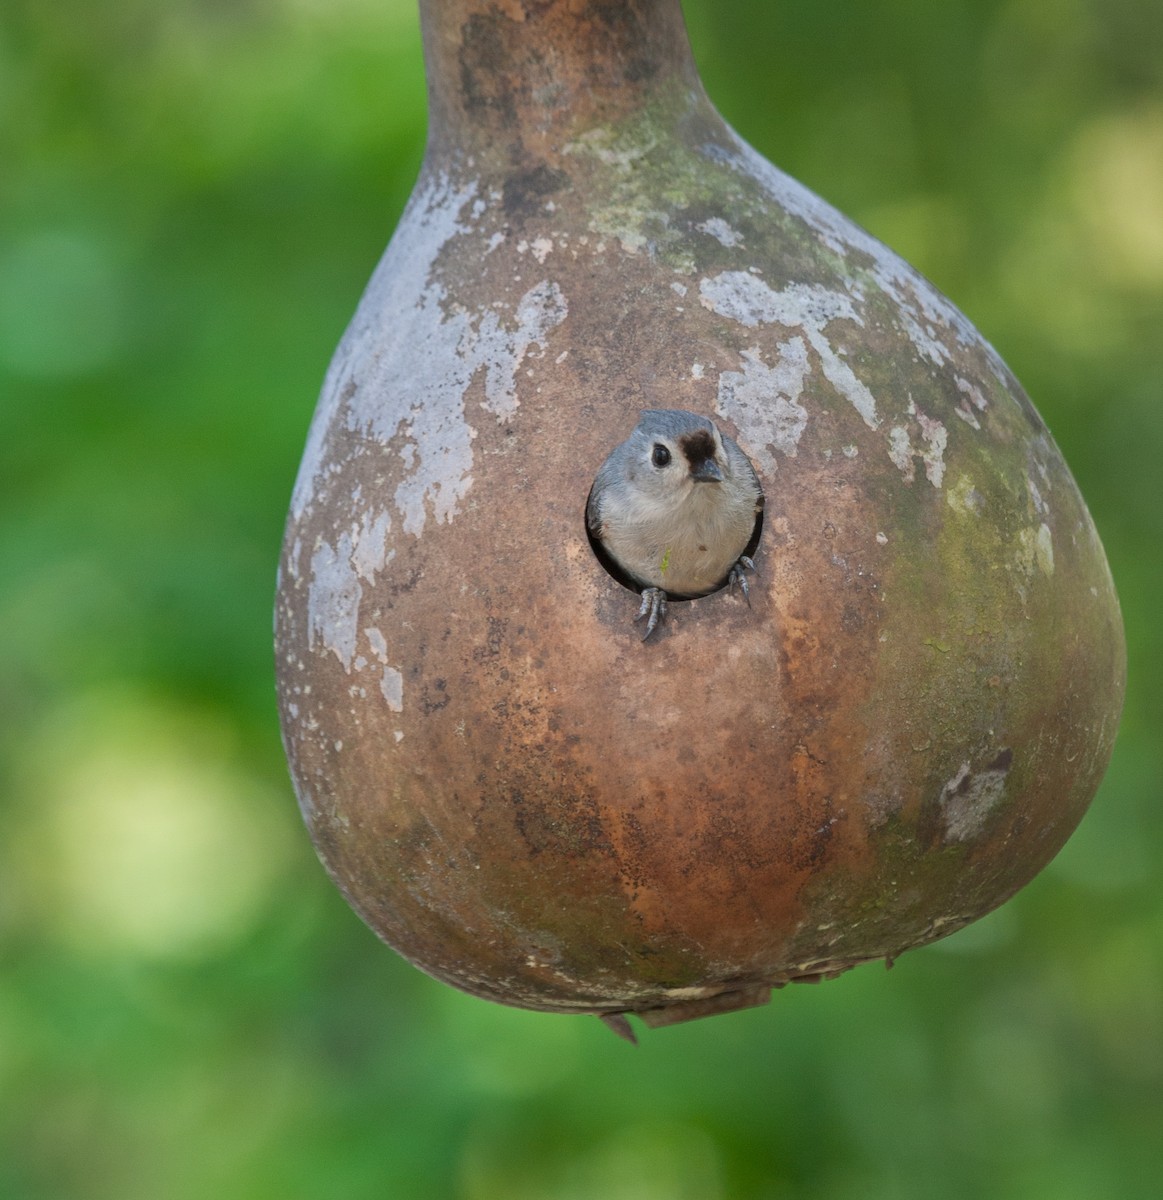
column 524, row 191
column 1003, row 761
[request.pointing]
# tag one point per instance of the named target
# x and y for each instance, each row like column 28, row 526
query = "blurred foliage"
column 192, row 195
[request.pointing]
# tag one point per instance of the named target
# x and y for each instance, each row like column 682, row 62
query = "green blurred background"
column 192, row 195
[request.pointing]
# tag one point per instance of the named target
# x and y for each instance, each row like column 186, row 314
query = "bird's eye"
column 660, row 456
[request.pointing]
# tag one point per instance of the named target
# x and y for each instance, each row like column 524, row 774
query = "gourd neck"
column 525, row 76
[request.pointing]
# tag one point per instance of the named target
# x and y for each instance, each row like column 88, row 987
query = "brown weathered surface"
column 510, row 787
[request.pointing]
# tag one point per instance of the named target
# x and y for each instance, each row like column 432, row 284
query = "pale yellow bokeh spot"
column 142, row 832
column 1116, row 167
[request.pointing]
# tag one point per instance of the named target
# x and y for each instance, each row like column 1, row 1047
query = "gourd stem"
column 527, row 74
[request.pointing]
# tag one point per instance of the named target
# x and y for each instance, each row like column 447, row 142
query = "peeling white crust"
column 974, row 400
column 717, row 228
column 929, row 448
column 397, row 386
column 402, row 371
column 964, row 497
column 334, row 590
column 1036, row 550
column 502, row 351
column 383, row 373
column 968, row 799
column 746, row 396
column 763, row 402
column 931, row 322
column 745, row 298
column 370, row 552
column 333, row 600
column 392, row 679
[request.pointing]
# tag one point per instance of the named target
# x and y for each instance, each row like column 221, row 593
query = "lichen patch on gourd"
column 717, row 228
column 501, row 351
column 606, row 145
column 400, row 386
column 973, row 400
column 1036, row 498
column 935, row 327
column 744, row 297
column 763, row 401
column 392, row 679
column 963, row 497
column 334, row 589
column 643, row 183
column 333, row 600
column 370, row 552
column 930, row 447
column 540, row 248
column 969, row 797
column 1036, row 550
column 392, row 690
column 373, row 378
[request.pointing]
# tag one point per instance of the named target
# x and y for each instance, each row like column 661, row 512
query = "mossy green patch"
column 653, row 190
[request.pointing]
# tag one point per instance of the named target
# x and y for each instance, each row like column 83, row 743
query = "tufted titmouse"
column 675, row 506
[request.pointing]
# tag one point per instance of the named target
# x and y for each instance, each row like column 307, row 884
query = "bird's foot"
column 653, row 609
column 738, row 577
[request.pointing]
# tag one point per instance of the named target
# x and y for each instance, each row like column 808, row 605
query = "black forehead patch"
column 697, row 447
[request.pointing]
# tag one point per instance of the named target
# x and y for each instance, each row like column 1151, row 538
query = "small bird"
column 674, row 506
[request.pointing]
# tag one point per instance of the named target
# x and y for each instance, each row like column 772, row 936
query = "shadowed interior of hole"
column 617, row 573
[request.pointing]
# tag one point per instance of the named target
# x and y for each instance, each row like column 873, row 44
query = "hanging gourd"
column 891, row 732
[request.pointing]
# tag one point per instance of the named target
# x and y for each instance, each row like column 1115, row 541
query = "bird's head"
column 673, row 452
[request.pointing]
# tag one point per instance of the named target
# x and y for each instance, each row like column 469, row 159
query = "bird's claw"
column 738, row 577
column 653, row 608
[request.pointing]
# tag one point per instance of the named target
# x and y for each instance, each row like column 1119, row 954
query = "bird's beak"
column 707, row 472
